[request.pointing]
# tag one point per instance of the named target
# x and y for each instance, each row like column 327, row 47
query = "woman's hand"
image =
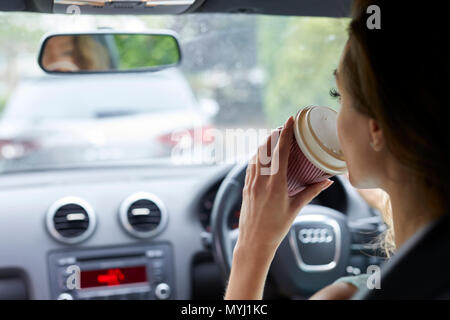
column 267, row 213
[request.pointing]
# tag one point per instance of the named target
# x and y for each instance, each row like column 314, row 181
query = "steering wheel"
column 315, row 252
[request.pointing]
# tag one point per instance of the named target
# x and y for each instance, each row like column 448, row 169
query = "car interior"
column 97, row 173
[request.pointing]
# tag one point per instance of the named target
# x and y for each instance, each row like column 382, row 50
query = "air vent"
column 143, row 215
column 70, row 220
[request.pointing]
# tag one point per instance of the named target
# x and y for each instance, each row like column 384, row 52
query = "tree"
column 299, row 55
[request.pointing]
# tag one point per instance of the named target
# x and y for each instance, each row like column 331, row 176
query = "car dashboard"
column 140, row 232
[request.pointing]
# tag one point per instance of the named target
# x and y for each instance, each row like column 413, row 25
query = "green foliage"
column 138, row 51
column 299, row 56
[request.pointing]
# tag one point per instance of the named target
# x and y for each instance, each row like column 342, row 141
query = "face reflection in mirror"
column 75, row 53
column 59, row 54
column 108, row 52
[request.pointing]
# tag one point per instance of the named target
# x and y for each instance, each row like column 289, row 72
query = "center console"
column 143, row 272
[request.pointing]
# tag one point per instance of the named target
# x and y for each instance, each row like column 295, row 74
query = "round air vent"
column 143, row 215
column 71, row 220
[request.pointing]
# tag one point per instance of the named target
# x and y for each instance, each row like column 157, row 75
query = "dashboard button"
column 67, row 261
column 156, row 253
column 162, row 291
column 65, row 296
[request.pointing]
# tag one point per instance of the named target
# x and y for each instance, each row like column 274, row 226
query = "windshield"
column 240, row 76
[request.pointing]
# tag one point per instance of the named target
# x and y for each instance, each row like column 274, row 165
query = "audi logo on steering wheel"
column 315, row 235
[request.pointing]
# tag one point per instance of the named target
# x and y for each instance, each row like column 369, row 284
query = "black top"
column 420, row 269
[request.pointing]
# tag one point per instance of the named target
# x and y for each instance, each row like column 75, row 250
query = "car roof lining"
column 322, row 8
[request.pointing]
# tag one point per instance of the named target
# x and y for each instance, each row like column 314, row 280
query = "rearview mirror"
column 109, row 52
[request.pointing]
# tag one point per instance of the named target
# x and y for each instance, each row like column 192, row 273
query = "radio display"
column 112, row 277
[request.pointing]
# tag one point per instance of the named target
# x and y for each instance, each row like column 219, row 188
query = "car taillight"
column 13, row 149
column 203, row 135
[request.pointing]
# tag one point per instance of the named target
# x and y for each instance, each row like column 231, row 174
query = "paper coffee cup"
column 315, row 153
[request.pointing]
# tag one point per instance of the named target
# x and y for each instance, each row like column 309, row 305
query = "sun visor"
column 134, row 7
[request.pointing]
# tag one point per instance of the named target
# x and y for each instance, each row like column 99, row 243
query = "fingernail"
column 289, row 122
column 327, row 184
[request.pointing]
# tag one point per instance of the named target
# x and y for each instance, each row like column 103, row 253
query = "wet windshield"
column 239, row 75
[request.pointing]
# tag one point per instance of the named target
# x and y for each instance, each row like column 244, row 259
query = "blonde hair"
column 90, row 54
column 387, row 239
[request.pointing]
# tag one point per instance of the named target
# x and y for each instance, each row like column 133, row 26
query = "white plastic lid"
column 316, row 134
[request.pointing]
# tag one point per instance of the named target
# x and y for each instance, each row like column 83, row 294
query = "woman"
column 74, row 54
column 392, row 85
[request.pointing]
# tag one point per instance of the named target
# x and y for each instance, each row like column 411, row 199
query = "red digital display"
column 112, row 277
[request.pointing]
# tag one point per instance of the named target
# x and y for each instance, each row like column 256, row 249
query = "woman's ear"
column 376, row 135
